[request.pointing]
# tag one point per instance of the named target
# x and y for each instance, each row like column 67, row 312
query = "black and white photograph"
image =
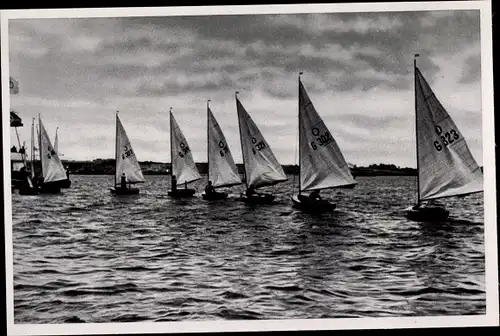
column 249, row 168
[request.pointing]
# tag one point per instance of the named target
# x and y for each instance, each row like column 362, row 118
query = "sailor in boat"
column 314, row 196
column 209, row 189
column 123, row 182
column 24, row 184
column 67, row 172
column 251, row 192
column 25, row 177
column 38, row 180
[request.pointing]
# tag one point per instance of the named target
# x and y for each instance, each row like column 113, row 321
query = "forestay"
column 221, row 167
column 322, row 164
column 126, row 161
column 52, row 167
column 183, row 165
column 261, row 167
column 446, row 165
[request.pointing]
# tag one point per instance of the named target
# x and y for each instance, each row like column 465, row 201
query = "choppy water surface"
column 88, row 256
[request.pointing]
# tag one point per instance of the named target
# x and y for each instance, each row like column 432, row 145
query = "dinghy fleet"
column 445, row 165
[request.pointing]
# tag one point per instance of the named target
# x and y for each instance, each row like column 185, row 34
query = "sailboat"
column 28, row 187
column 445, row 165
column 321, row 163
column 67, row 182
column 52, row 168
column 128, row 171
column 184, row 168
column 262, row 169
column 222, row 171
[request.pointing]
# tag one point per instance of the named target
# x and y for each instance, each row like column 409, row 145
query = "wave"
column 89, row 256
column 243, row 314
column 102, row 290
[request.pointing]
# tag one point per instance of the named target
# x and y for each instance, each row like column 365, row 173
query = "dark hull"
column 313, row 206
column 27, row 190
column 181, row 193
column 427, row 214
column 65, row 183
column 262, row 199
column 17, row 184
column 215, row 196
column 17, row 178
column 126, row 191
column 49, row 188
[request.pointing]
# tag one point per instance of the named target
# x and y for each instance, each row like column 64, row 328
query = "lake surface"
column 88, row 256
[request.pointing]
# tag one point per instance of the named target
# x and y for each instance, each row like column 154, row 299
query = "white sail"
column 446, row 165
column 126, row 161
column 52, row 167
column 221, row 167
column 183, row 165
column 261, row 167
column 322, row 164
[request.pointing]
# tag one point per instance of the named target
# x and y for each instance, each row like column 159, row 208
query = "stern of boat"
column 427, row 214
column 313, row 207
column 181, row 193
column 214, row 197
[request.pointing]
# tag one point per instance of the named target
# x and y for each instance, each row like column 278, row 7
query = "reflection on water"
column 89, row 256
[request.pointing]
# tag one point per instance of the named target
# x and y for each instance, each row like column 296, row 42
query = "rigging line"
column 295, row 162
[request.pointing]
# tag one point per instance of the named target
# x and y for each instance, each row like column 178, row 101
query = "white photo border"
column 491, row 318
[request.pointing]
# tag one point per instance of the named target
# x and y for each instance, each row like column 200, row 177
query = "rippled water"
column 88, row 256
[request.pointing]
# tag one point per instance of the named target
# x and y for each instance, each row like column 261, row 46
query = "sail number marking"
column 184, row 149
column 259, row 145
column 321, row 139
column 447, row 138
column 51, row 152
column 223, row 148
column 127, row 152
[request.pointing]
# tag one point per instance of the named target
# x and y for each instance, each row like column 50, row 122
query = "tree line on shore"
column 107, row 167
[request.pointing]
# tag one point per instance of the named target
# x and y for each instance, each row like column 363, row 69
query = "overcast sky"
column 358, row 71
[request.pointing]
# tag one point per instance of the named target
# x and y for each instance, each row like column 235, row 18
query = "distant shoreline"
column 107, row 167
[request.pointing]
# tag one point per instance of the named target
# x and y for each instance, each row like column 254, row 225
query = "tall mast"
column 416, row 123
column 208, row 142
column 39, row 148
column 40, row 142
column 171, row 154
column 33, row 148
column 116, row 146
column 241, row 142
column 300, row 73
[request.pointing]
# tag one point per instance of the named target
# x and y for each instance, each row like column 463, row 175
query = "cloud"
column 358, row 70
column 472, row 70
